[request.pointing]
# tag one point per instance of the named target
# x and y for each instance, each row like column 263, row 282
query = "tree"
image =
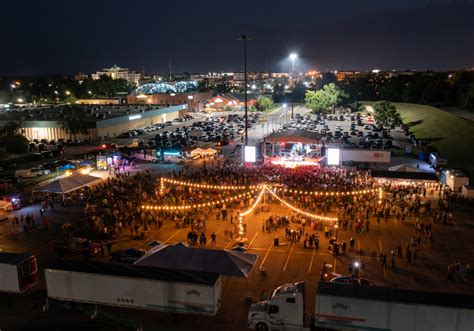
column 204, row 85
column 222, row 88
column 73, row 120
column 386, row 114
column 264, row 104
column 17, row 144
column 278, row 93
column 10, row 129
column 299, row 92
column 317, row 101
column 12, row 140
column 356, row 106
column 70, row 99
column 329, row 96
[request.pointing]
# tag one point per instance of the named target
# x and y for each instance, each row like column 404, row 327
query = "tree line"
column 64, row 89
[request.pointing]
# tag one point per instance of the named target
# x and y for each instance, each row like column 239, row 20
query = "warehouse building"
column 103, row 121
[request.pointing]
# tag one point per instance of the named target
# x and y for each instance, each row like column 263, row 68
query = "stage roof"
column 295, row 136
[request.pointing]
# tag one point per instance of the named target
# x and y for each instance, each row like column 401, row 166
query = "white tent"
column 68, row 184
column 197, row 151
column 404, row 168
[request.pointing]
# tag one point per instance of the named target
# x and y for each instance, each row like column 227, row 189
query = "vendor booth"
column 6, row 209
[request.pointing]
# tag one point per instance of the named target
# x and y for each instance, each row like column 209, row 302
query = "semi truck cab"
column 283, row 310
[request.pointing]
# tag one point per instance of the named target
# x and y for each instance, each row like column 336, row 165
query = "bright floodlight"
column 293, row 56
column 356, row 264
column 284, row 105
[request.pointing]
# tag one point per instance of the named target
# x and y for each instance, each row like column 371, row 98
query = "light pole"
column 244, row 38
column 293, row 57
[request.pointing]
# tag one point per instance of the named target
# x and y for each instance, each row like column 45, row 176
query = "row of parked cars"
column 361, row 131
column 154, row 127
column 220, row 130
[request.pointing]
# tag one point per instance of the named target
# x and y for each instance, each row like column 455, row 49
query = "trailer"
column 129, row 286
column 18, row 272
column 359, row 307
column 339, row 306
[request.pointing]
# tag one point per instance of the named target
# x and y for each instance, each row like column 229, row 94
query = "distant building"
column 103, row 121
column 98, row 101
column 170, row 93
column 222, row 101
column 349, row 75
column 116, row 72
column 194, row 101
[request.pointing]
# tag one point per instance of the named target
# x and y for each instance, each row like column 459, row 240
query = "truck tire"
column 261, row 327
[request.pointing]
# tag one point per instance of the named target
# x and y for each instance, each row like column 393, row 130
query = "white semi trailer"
column 129, row 286
column 18, row 272
column 359, row 307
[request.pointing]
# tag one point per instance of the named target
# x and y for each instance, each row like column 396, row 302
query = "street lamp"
column 293, row 57
column 68, row 93
column 245, row 38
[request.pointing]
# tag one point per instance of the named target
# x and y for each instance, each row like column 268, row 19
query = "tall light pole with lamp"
column 245, row 38
column 293, row 57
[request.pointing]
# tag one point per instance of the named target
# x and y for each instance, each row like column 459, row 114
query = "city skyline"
column 67, row 40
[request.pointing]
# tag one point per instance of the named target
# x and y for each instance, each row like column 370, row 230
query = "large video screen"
column 333, row 156
column 250, row 154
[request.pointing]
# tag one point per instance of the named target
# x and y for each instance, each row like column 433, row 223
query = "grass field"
column 451, row 135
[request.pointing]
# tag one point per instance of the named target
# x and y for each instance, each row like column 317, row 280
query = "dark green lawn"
column 451, row 135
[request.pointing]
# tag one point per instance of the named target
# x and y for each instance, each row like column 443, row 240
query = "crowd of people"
column 114, row 207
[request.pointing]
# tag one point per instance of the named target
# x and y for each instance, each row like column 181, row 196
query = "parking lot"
column 288, row 262
column 352, row 130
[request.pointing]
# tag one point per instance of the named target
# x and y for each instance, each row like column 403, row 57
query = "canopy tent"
column 68, row 184
column 211, row 151
column 294, row 136
column 225, row 262
column 197, row 151
column 404, row 167
column 204, row 152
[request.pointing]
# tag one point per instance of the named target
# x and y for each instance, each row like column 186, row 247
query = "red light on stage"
column 104, row 145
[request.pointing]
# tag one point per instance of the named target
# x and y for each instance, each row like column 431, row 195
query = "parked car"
column 77, row 246
column 31, row 173
column 129, row 255
column 352, row 280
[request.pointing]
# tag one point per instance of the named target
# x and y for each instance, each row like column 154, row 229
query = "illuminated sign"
column 333, row 156
column 250, row 154
column 134, row 117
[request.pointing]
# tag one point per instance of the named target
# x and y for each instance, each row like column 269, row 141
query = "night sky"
column 66, row 37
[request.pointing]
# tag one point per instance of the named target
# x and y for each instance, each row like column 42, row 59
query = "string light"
column 380, row 195
column 299, row 211
column 207, row 186
column 197, row 205
column 260, row 195
column 332, row 193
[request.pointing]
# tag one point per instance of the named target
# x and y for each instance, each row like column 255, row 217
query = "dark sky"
column 70, row 36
